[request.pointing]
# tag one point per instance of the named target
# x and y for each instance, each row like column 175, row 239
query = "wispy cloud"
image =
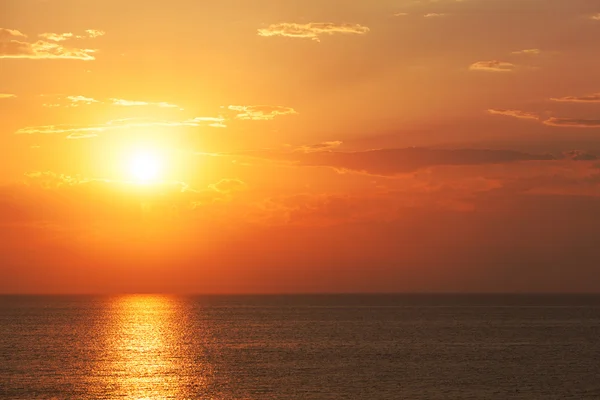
column 573, row 122
column 10, row 34
column 579, row 155
column 94, row 33
column 591, row 98
column 7, row 96
column 90, row 131
column 148, row 122
column 59, row 37
column 400, row 14
column 325, row 146
column 74, row 101
column 529, row 52
column 87, row 131
column 215, row 122
column 81, row 135
column 389, row 162
column 493, row 66
column 595, row 17
column 552, row 121
column 82, row 100
column 434, row 15
column 513, row 113
column 71, row 101
column 14, row 44
column 135, row 103
column 56, row 37
column 261, row 112
column 226, row 186
column 312, row 30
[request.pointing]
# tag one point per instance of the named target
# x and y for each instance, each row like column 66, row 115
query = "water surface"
column 300, row 347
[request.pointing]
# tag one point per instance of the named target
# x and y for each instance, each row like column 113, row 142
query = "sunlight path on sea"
column 145, row 352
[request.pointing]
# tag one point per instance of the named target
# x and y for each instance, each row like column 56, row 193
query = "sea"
column 363, row 347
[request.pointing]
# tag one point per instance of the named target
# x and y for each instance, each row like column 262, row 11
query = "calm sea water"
column 300, row 347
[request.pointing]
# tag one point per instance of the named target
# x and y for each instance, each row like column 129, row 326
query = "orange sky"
column 299, row 146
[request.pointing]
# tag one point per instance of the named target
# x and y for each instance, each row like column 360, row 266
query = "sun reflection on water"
column 144, row 353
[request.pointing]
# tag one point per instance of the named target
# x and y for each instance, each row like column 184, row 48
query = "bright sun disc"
column 145, row 166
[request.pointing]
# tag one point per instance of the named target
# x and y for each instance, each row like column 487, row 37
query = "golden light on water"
column 144, row 351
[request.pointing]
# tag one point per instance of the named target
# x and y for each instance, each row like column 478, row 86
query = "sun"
column 145, row 166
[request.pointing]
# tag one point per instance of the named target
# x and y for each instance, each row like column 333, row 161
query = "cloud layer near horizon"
column 397, row 161
column 512, row 214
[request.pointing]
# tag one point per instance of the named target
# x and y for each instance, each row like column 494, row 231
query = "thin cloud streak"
column 529, row 52
column 135, row 103
column 591, row 98
column 513, row 113
column 60, row 37
column 312, row 30
column 85, row 131
column 74, row 101
column 573, row 122
column 493, row 66
column 261, row 112
column 392, row 162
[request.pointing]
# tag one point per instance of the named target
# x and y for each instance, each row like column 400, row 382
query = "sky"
column 299, row 146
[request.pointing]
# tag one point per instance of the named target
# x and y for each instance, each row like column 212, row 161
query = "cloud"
column 325, row 146
column 7, row 96
column 312, row 30
column 492, row 66
column 573, row 122
column 13, row 44
column 514, row 113
column 261, row 112
column 595, row 17
column 579, row 155
column 81, row 135
column 226, row 186
column 389, row 162
column 128, row 103
column 94, row 33
column 434, row 15
column 530, row 52
column 400, row 14
column 10, row 34
column 215, row 122
column 592, row 98
column 72, row 101
column 321, row 233
column 56, row 37
column 48, row 179
column 75, row 130
column 60, row 37
column 43, row 50
column 553, row 121
column 135, row 103
column 148, row 122
column 82, row 99
column 88, row 131
column 68, row 199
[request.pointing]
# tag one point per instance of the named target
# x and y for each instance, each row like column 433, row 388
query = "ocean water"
column 300, row 347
